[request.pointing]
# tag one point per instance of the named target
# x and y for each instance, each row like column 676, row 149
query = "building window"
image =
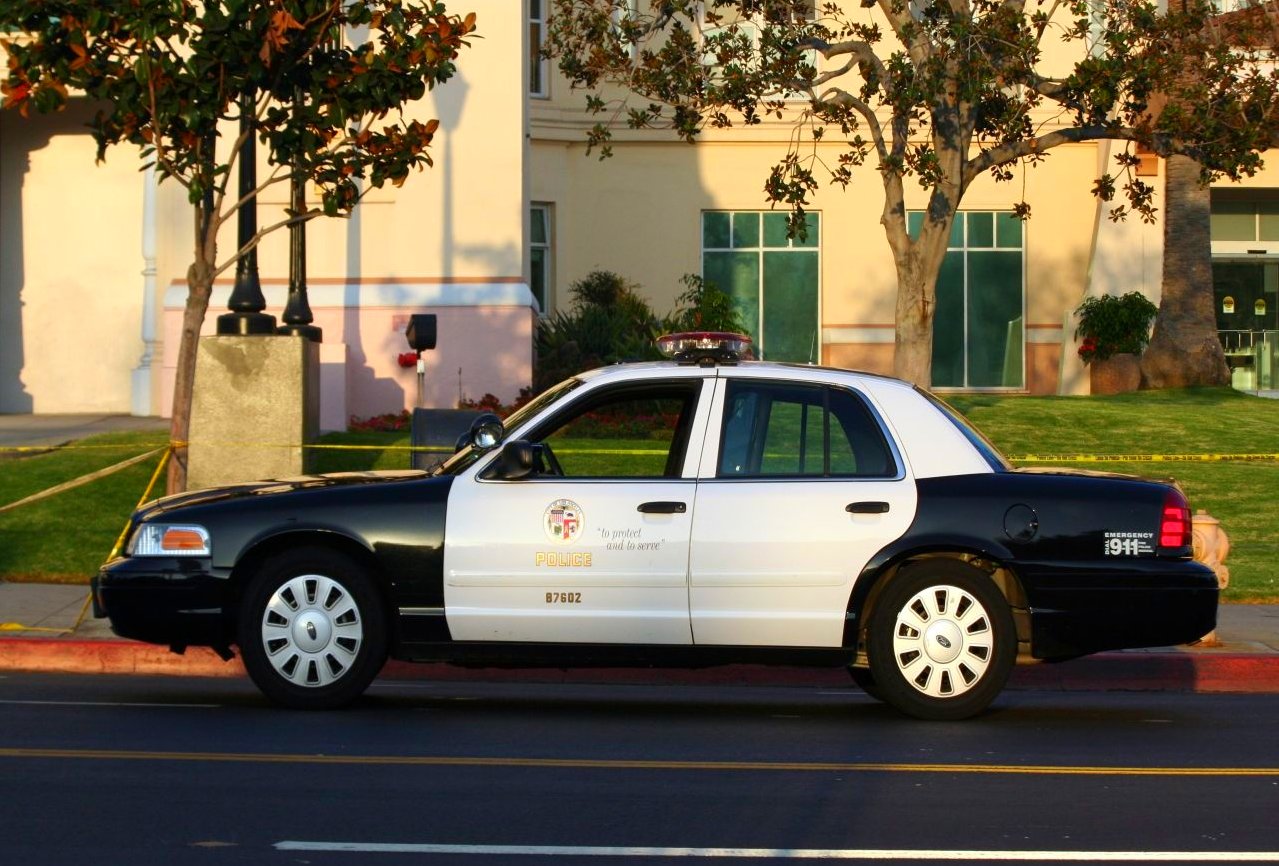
column 539, row 66
column 751, row 29
column 628, row 11
column 774, row 281
column 978, row 321
column 1252, row 221
column 540, row 256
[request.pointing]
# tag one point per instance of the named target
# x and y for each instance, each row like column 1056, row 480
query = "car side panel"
column 400, row 524
column 1081, row 599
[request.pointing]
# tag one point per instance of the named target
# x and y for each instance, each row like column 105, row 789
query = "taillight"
column 1174, row 525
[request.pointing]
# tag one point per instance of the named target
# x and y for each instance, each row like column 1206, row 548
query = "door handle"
column 662, row 508
column 867, row 508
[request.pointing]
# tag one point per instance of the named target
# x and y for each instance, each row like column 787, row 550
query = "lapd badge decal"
column 563, row 521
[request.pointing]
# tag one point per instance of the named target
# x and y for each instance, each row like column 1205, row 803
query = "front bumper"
column 1150, row 603
column 179, row 601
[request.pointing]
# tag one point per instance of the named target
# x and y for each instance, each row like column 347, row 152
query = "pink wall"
column 485, row 345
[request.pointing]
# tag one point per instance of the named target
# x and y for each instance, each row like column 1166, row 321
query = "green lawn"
column 65, row 538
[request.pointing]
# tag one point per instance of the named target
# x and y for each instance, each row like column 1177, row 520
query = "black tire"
column 865, row 681
column 321, row 609
column 942, row 641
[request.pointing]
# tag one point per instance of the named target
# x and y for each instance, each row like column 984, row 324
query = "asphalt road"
column 115, row 770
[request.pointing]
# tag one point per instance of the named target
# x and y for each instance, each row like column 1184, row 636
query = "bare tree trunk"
column 1184, row 350
column 199, row 289
column 917, row 268
column 913, row 341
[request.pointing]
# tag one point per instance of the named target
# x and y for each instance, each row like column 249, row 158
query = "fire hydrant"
column 1211, row 546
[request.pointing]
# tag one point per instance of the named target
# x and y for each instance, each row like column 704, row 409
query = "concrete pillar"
column 143, row 374
column 256, row 402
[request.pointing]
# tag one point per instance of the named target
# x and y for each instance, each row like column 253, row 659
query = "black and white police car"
column 682, row 513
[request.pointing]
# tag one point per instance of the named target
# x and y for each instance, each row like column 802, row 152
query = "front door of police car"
column 594, row 548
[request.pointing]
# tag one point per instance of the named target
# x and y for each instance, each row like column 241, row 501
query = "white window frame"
column 965, row 249
column 759, row 250
column 541, row 89
column 704, row 28
column 547, row 210
column 621, row 13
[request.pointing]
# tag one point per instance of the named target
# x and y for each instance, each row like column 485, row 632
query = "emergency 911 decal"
column 1128, row 543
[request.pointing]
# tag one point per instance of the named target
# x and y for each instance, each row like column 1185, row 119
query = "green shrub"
column 607, row 322
column 1113, row 325
column 704, row 307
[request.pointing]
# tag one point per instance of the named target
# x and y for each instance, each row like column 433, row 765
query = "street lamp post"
column 247, row 302
column 297, row 310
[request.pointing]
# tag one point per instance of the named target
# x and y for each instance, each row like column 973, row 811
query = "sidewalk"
column 34, row 430
column 1246, row 658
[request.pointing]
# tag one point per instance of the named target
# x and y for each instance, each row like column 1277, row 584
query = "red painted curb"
column 1187, row 671
column 111, row 657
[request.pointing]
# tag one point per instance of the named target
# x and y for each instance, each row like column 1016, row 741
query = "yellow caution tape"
column 24, row 449
column 82, row 480
column 318, row 446
column 115, row 549
column 1142, row 458
column 146, row 494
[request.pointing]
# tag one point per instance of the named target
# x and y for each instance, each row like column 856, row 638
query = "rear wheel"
column 312, row 630
column 942, row 641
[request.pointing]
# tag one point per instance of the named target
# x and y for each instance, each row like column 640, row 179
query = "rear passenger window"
column 785, row 430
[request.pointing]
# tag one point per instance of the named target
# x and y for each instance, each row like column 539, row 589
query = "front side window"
column 624, row 432
column 772, row 279
column 466, row 456
column 789, row 430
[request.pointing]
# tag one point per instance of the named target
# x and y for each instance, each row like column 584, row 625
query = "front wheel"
column 942, row 642
column 312, row 629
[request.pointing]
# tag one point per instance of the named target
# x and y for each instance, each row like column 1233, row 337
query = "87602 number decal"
column 563, row 598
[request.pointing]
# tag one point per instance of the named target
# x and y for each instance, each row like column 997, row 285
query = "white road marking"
column 783, row 853
column 109, row 704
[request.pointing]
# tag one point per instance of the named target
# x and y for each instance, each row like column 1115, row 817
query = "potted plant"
column 1112, row 332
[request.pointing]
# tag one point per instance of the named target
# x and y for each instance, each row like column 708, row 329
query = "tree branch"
column 1028, row 146
column 252, row 195
column 262, row 233
column 900, row 19
column 860, row 50
column 844, row 99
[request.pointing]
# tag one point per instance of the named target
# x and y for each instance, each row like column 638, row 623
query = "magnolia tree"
column 929, row 93
column 322, row 80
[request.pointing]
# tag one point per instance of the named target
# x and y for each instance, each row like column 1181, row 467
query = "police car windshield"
column 468, row 455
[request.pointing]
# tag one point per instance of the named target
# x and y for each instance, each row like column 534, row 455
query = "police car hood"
column 255, row 490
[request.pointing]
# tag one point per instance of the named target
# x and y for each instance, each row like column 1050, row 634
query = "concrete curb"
column 1175, row 671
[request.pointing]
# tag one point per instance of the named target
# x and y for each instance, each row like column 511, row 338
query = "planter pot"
column 1117, row 374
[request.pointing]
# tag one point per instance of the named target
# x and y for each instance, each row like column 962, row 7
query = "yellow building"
column 660, row 208
column 92, row 259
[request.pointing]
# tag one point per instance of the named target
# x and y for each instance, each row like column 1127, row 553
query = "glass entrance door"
column 1246, row 299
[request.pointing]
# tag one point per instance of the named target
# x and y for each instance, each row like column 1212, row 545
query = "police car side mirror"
column 517, row 460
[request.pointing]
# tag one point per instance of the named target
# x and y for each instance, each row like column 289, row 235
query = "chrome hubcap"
column 943, row 641
column 312, row 630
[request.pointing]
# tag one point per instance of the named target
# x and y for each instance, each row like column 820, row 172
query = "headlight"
column 169, row 539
